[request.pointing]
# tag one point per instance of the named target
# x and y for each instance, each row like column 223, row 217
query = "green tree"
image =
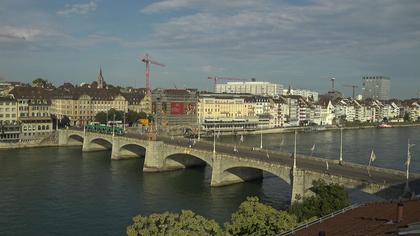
column 101, row 117
column 186, row 223
column 256, row 218
column 42, row 83
column 39, row 82
column 142, row 115
column 119, row 115
column 328, row 198
column 65, row 121
column 132, row 116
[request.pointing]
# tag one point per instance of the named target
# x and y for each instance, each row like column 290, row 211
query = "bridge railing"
column 319, row 220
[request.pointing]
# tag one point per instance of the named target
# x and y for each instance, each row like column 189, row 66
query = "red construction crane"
column 354, row 88
column 216, row 78
column 146, row 60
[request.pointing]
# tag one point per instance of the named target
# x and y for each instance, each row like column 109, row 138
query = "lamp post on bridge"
column 113, row 126
column 199, row 127
column 341, row 146
column 294, row 152
column 261, row 138
column 214, row 138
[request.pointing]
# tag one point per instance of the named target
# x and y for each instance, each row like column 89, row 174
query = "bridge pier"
column 154, row 159
column 298, row 185
column 63, row 139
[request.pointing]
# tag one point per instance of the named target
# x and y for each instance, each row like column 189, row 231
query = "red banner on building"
column 177, row 108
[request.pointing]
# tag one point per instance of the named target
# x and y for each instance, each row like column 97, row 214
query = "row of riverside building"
column 31, row 113
column 28, row 112
column 243, row 111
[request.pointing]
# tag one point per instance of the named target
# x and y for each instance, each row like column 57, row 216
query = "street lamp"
column 199, row 127
column 294, row 152
column 214, row 138
column 261, row 138
column 341, row 146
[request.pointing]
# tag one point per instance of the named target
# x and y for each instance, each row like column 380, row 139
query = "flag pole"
column 312, row 149
column 407, row 187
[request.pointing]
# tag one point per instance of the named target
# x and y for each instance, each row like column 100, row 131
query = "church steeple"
column 101, row 81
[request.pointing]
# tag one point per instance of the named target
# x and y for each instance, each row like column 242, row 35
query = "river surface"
column 62, row 191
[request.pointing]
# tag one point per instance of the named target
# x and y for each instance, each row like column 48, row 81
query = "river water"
column 62, row 191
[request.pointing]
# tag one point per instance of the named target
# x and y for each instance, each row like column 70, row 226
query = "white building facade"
column 254, row 87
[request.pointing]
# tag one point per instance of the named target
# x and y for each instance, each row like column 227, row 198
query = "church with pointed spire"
column 100, row 80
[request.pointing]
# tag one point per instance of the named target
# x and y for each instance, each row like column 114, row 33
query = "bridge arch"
column 75, row 139
column 183, row 160
column 249, row 168
column 237, row 170
column 131, row 150
column 98, row 144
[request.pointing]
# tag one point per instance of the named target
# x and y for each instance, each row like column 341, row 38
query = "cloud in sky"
column 171, row 5
column 321, row 26
column 8, row 33
column 209, row 69
column 78, row 9
column 285, row 41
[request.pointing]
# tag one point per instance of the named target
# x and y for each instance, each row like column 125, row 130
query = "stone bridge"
column 229, row 167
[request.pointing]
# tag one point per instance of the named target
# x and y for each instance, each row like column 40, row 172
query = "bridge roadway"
column 230, row 167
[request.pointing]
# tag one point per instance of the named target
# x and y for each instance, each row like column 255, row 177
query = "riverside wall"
column 47, row 141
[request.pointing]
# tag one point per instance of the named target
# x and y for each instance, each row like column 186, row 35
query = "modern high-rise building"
column 254, row 87
column 376, row 87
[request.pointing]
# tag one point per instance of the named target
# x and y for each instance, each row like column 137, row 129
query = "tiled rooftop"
column 371, row 219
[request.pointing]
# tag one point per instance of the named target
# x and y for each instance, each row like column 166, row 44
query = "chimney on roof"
column 400, row 212
column 253, row 79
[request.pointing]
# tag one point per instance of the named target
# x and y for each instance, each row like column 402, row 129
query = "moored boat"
column 383, row 125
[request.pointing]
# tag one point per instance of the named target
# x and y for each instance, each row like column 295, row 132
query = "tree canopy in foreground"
column 328, row 198
column 256, row 218
column 186, row 223
column 251, row 218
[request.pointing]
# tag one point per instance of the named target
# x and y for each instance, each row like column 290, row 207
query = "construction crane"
column 352, row 86
column 216, row 78
column 146, row 60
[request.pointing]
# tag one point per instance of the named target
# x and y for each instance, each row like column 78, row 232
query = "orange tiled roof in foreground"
column 370, row 219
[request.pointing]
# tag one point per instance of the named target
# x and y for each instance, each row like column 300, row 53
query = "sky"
column 302, row 43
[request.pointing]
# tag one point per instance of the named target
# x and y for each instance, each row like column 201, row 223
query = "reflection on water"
column 62, row 191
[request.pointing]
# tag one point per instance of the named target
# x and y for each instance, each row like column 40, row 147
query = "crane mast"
column 146, row 60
